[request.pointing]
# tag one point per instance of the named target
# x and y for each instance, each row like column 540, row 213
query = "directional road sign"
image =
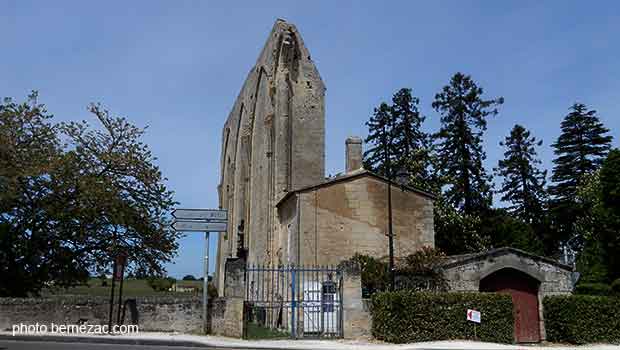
column 199, row 226
column 201, row 214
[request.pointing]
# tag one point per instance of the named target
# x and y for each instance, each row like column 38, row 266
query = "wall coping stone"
column 85, row 299
column 457, row 260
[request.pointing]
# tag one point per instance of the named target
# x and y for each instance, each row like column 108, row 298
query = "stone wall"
column 227, row 311
column 465, row 274
column 180, row 314
column 227, row 317
column 356, row 317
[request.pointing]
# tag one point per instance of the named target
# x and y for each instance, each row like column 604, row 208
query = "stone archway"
column 524, row 291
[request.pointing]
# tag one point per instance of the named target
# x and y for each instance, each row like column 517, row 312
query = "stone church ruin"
column 284, row 212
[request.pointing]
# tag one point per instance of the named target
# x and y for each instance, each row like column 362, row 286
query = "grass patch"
column 131, row 288
column 255, row 331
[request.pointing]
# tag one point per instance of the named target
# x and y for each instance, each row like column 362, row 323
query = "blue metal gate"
column 293, row 301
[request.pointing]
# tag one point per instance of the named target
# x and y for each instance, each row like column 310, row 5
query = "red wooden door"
column 524, row 292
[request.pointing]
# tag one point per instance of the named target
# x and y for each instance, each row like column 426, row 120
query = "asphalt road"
column 35, row 345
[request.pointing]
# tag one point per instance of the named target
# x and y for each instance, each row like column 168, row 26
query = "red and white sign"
column 473, row 315
column 121, row 260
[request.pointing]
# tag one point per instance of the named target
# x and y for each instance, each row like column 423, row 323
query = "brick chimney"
column 353, row 146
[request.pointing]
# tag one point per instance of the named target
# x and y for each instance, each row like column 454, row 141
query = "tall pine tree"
column 523, row 183
column 460, row 155
column 580, row 149
column 382, row 151
column 412, row 144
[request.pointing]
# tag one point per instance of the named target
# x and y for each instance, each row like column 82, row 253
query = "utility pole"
column 388, row 172
column 391, row 235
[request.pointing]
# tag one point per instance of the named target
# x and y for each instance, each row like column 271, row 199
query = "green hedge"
column 593, row 289
column 405, row 316
column 582, row 319
column 615, row 287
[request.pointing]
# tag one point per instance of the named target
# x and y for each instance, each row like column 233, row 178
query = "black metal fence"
column 293, row 301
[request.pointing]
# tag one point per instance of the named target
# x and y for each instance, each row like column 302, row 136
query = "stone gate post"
column 356, row 320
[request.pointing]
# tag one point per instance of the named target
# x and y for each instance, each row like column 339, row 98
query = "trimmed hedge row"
column 592, row 289
column 405, row 316
column 582, row 319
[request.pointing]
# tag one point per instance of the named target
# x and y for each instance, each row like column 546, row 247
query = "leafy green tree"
column 375, row 274
column 189, row 278
column 32, row 251
column 464, row 114
column 505, row 230
column 68, row 207
column 579, row 150
column 523, row 183
column 599, row 222
column 609, row 234
column 382, row 153
column 610, row 181
column 456, row 232
column 412, row 144
column 160, row 284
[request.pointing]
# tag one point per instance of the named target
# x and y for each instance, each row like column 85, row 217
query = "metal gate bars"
column 293, row 301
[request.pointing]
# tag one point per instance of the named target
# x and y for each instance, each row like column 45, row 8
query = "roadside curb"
column 119, row 341
column 239, row 344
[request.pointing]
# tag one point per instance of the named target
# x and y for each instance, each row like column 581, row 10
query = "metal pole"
column 112, row 297
column 390, row 234
column 388, row 173
column 120, row 297
column 205, row 287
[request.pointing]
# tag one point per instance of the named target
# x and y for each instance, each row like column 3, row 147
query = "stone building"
column 281, row 208
column 330, row 221
column 283, row 211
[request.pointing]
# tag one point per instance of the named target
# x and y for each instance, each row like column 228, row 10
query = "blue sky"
column 178, row 66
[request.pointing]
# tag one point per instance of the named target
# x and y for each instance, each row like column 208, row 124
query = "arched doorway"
column 524, row 291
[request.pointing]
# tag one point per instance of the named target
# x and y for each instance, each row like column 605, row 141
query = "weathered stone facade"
column 282, row 211
column 330, row 222
column 272, row 142
column 465, row 272
column 272, row 175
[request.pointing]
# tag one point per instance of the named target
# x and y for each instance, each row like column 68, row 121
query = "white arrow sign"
column 199, row 226
column 200, row 214
column 473, row 315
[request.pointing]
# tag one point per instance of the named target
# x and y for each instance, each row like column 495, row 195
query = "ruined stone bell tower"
column 272, row 143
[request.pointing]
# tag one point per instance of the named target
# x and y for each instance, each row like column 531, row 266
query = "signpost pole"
column 122, row 259
column 202, row 220
column 112, row 297
column 205, row 287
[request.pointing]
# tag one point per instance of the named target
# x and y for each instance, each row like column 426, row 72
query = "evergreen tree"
column 460, row 154
column 382, row 153
column 579, row 151
column 524, row 184
column 412, row 144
